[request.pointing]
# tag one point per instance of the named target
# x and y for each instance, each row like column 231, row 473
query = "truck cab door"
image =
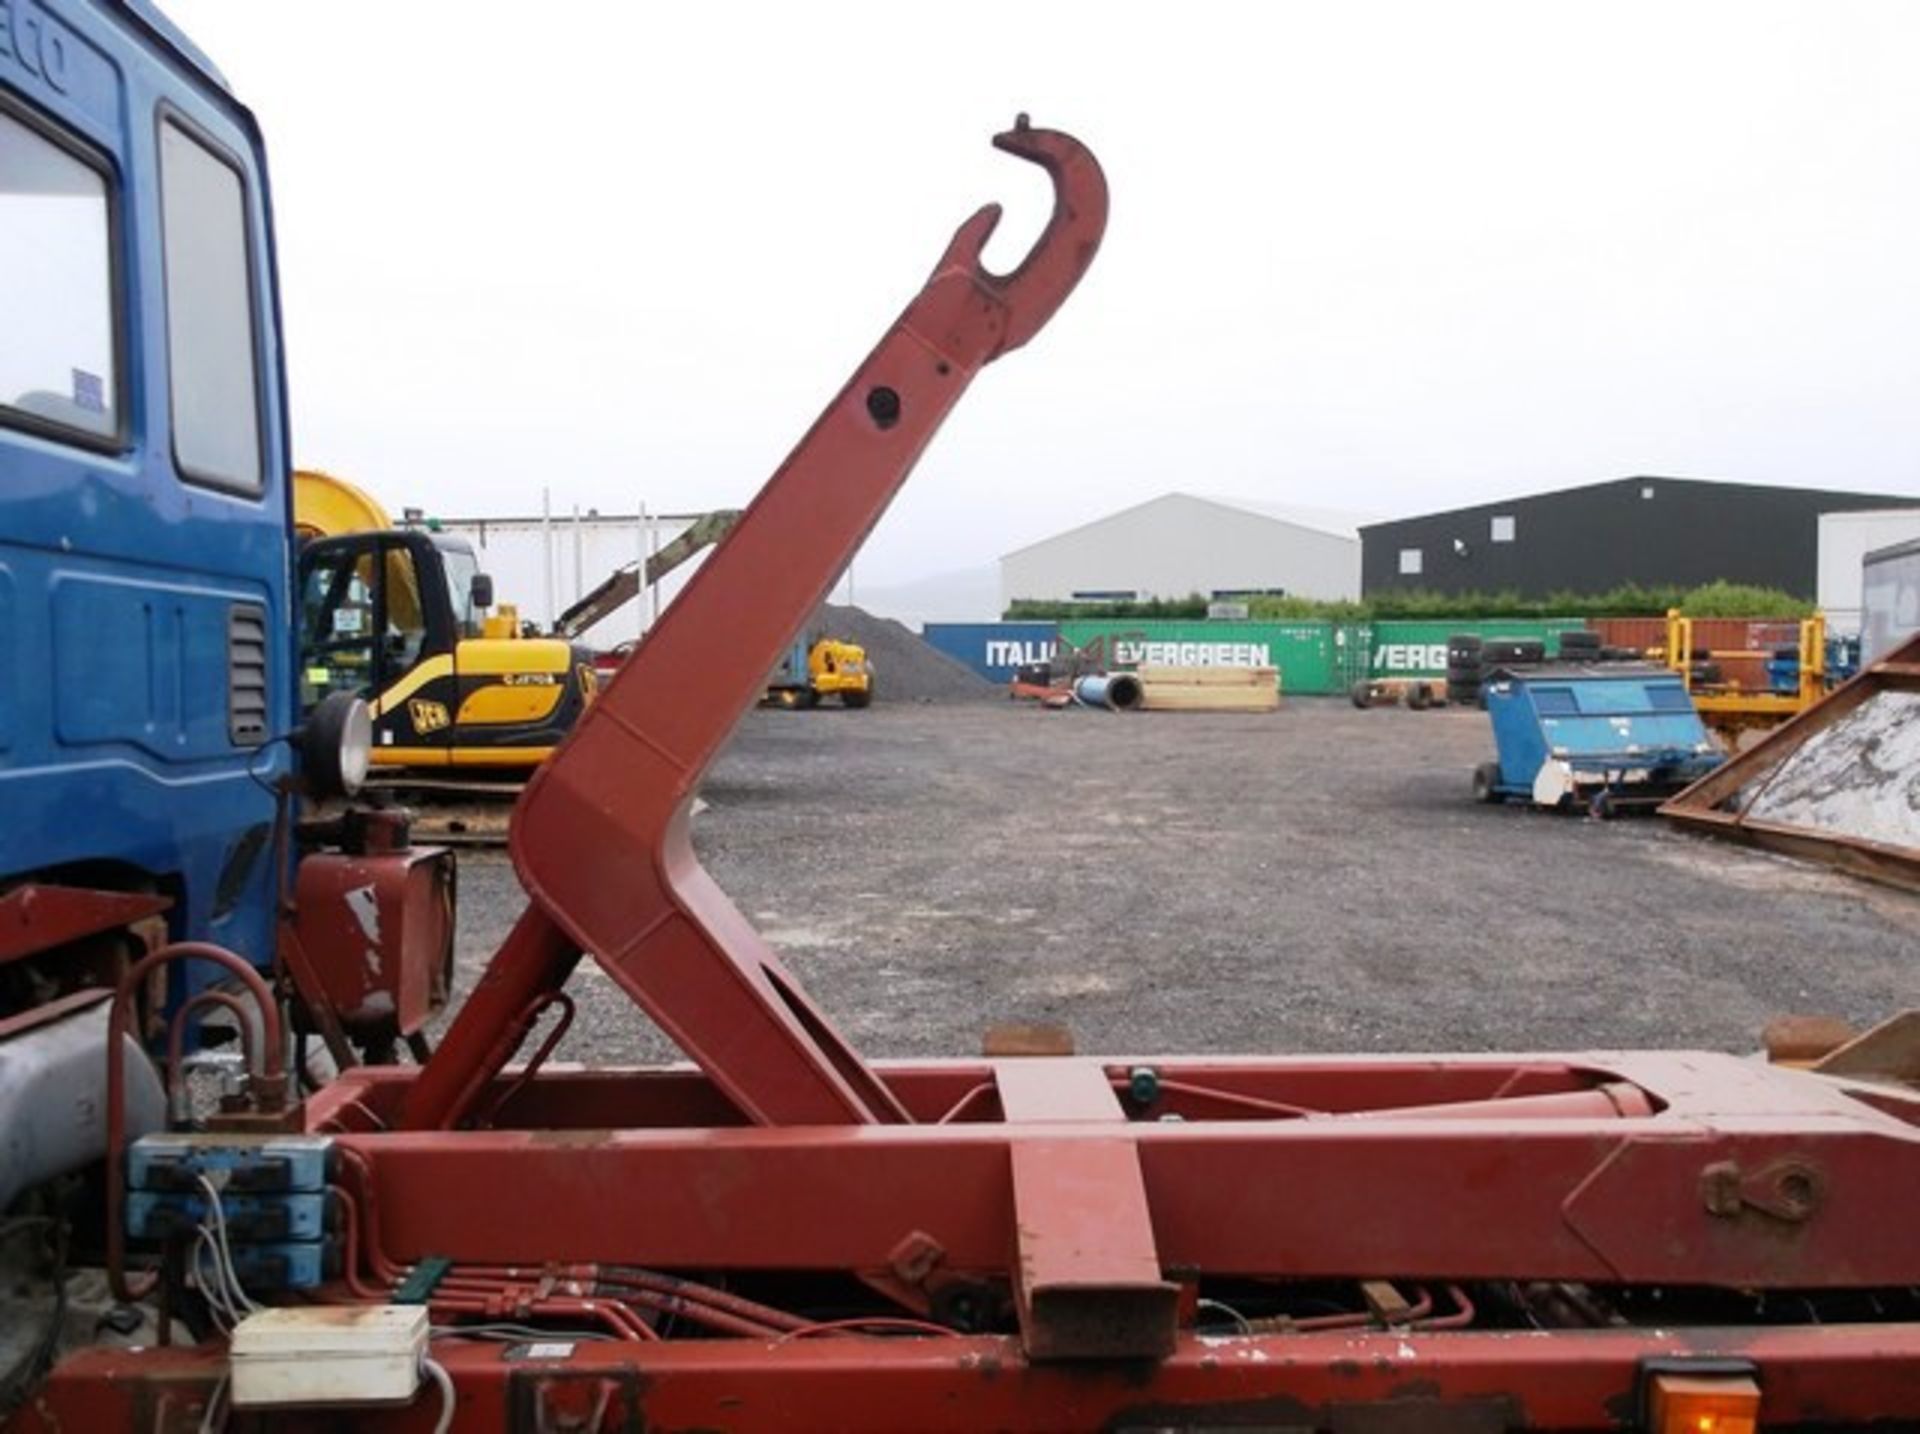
column 373, row 621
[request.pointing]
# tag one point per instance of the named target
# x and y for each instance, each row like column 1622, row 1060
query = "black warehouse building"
column 1651, row 531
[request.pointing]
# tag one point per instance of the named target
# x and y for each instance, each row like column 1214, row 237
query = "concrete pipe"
column 1116, row 691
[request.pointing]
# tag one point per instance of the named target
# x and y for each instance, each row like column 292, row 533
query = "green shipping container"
column 1304, row 652
column 1419, row 649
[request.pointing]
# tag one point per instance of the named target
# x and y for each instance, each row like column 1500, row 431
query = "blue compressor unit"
column 1601, row 738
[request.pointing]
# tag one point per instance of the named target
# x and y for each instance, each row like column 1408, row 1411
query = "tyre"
column 1513, row 652
column 1486, row 783
column 1463, row 694
column 859, row 699
column 1362, row 694
column 1419, row 696
column 1580, row 646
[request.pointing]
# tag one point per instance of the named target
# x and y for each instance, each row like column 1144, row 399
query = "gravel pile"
column 905, row 668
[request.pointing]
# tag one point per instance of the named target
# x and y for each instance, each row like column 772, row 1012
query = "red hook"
column 1053, row 266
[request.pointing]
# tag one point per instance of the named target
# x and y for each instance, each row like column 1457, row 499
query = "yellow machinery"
column 1730, row 708
column 827, row 667
column 400, row 617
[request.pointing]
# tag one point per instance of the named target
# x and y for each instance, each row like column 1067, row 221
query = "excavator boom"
column 627, row 582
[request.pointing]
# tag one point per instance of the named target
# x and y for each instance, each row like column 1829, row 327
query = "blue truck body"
column 1602, row 735
column 146, row 645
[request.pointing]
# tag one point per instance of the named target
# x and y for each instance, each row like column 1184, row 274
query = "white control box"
column 329, row 1354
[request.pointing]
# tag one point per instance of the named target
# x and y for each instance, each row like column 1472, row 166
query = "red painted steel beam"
column 38, row 917
column 600, row 836
column 1748, row 1177
column 1832, row 1376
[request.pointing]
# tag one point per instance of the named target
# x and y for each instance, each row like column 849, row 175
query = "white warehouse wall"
column 1845, row 541
column 1180, row 544
column 521, row 553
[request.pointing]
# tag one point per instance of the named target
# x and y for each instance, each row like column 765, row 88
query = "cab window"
column 362, row 624
column 461, row 567
column 58, row 360
column 210, row 319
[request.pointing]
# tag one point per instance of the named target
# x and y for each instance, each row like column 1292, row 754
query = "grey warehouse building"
column 1651, row 531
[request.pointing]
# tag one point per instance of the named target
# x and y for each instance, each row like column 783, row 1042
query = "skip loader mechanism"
column 785, row 1235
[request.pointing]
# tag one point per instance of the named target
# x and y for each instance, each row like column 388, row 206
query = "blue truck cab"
column 1601, row 736
column 145, row 656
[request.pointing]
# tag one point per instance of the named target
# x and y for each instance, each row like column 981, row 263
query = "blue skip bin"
column 1604, row 737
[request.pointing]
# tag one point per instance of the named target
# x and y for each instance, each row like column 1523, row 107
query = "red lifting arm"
column 600, row 836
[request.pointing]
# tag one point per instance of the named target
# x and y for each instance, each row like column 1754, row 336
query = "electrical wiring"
column 514, row 1333
column 878, row 1324
column 437, row 1372
column 213, row 1287
column 237, row 1302
column 214, row 1416
column 1246, row 1325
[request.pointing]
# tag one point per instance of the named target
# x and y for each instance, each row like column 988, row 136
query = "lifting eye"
column 883, row 407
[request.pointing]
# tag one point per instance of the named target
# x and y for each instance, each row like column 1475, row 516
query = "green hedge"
column 1717, row 599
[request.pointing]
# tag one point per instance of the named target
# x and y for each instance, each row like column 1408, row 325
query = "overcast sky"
column 1380, row 256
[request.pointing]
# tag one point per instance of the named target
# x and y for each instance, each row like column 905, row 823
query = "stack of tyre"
column 1463, row 669
column 1472, row 659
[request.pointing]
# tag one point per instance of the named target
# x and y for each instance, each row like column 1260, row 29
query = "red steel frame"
column 1094, row 1194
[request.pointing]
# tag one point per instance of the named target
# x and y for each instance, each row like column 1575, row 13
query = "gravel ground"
column 1311, row 880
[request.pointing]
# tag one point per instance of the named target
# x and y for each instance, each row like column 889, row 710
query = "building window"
column 1411, row 562
column 57, row 363
column 210, row 330
column 1502, row 529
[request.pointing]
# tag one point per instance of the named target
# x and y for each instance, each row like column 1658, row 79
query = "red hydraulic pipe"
column 1616, row 1100
column 533, row 962
column 703, row 1294
column 271, row 1083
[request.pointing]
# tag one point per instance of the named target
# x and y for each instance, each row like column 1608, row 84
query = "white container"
column 1891, row 588
column 1845, row 540
column 338, row 1354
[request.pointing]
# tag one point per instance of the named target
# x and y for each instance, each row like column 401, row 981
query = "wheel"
column 857, row 699
column 1486, row 783
column 806, row 699
column 1513, row 652
column 1602, row 807
column 1463, row 694
column 1362, row 694
column 1580, row 646
column 1419, row 697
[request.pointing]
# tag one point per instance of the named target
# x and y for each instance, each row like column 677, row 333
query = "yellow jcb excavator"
column 400, row 616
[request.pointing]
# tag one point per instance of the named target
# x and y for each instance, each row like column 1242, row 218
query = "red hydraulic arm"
column 600, row 837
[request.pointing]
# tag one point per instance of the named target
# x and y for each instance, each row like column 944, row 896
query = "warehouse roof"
column 1715, row 486
column 1329, row 521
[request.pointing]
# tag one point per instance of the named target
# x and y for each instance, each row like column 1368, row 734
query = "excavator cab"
column 397, row 616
